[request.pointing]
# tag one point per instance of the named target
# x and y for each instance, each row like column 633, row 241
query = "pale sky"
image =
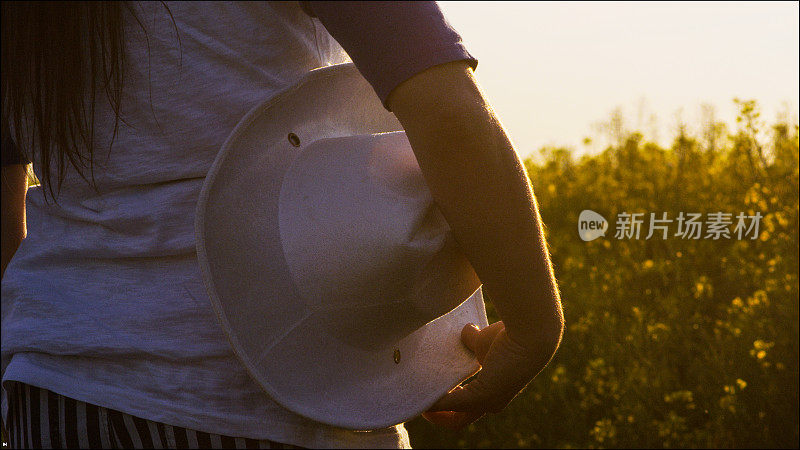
column 553, row 71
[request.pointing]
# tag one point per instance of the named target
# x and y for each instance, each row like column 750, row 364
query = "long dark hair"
column 54, row 55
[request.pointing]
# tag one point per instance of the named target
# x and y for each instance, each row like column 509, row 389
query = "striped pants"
column 38, row 418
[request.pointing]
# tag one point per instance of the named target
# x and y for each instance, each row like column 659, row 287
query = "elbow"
column 551, row 330
column 553, row 334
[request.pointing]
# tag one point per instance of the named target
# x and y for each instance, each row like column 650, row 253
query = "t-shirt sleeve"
column 389, row 42
column 9, row 151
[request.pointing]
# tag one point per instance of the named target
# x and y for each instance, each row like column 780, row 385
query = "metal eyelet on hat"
column 397, row 356
column 294, row 140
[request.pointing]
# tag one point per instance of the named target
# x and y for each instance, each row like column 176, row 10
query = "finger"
column 469, row 336
column 490, row 391
column 462, row 399
column 450, row 419
column 479, row 341
column 456, row 400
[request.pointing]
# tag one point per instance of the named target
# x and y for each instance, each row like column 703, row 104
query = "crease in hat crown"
column 358, row 225
column 355, row 323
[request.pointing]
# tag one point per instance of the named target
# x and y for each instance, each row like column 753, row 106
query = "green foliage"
column 670, row 342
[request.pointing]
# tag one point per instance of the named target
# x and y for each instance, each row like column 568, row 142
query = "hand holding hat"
column 506, row 368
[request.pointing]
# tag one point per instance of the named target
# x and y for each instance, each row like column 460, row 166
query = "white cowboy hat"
column 329, row 267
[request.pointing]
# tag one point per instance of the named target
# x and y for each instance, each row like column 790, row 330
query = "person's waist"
column 241, row 409
column 139, row 221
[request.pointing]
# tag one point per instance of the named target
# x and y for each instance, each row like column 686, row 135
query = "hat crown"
column 358, row 227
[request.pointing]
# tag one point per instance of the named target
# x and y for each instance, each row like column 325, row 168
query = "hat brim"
column 275, row 335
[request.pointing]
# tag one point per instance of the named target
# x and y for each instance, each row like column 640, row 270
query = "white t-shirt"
column 103, row 301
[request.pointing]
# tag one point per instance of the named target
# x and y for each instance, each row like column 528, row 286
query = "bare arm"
column 479, row 182
column 14, row 187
